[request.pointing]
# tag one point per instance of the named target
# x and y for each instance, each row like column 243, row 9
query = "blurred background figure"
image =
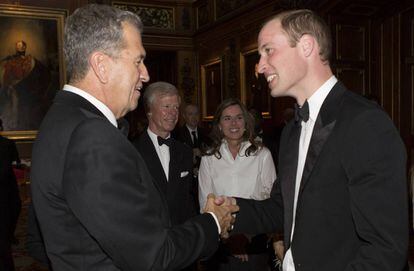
column 10, row 203
column 238, row 165
column 24, row 90
column 196, row 137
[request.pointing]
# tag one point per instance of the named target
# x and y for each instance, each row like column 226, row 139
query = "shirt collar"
column 243, row 145
column 316, row 100
column 191, row 129
column 153, row 137
column 98, row 104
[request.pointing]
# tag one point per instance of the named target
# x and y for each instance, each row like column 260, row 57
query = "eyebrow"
column 141, row 57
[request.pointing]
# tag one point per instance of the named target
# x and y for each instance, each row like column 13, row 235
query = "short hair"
column 297, row 23
column 159, row 88
column 217, row 135
column 94, row 28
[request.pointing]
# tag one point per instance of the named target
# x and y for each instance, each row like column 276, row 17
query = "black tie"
column 167, row 141
column 302, row 113
column 195, row 139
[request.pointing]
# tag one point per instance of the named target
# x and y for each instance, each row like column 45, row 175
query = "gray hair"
column 159, row 88
column 94, row 28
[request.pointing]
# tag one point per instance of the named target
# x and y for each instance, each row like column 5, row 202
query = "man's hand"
column 223, row 208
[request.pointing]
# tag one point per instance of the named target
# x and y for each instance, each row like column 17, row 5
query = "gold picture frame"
column 254, row 91
column 211, row 88
column 32, row 68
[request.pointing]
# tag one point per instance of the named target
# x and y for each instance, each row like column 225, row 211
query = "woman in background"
column 237, row 165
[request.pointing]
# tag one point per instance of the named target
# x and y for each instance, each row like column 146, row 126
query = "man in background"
column 169, row 161
column 95, row 200
column 196, row 138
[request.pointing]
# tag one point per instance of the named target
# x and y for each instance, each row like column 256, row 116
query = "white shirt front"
column 315, row 102
column 98, row 104
column 163, row 152
column 248, row 177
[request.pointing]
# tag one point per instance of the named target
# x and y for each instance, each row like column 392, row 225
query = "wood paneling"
column 350, row 42
column 353, row 78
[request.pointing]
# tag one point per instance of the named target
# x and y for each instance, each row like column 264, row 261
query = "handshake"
column 224, row 209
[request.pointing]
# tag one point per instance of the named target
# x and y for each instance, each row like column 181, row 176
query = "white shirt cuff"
column 217, row 222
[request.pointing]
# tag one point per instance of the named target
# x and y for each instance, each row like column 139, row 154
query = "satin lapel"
column 150, row 156
column 325, row 123
column 175, row 160
column 319, row 136
column 188, row 139
column 287, row 175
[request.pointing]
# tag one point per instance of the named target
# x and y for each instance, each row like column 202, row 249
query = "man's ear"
column 308, row 45
column 99, row 63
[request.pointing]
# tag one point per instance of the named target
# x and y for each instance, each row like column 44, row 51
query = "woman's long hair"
column 217, row 135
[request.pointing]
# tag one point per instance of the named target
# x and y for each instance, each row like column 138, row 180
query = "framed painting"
column 31, row 66
column 211, row 88
column 254, row 88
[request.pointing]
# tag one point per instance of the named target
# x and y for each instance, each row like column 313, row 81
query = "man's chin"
column 133, row 106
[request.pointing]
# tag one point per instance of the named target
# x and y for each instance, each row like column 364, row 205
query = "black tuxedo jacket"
column 96, row 202
column 352, row 205
column 184, row 136
column 177, row 190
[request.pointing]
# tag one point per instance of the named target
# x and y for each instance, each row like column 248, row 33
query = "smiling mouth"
column 271, row 77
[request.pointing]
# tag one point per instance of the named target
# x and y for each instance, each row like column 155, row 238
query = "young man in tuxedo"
column 96, row 203
column 341, row 192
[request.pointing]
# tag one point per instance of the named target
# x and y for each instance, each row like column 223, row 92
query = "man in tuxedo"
column 196, row 138
column 190, row 133
column 341, row 187
column 96, row 203
column 169, row 161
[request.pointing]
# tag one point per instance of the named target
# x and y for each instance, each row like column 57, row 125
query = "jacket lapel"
column 175, row 160
column 288, row 167
column 153, row 162
column 324, row 125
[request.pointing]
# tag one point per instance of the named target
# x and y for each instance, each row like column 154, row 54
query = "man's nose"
column 262, row 65
column 144, row 76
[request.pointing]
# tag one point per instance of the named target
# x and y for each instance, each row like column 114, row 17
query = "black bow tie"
column 302, row 113
column 167, row 141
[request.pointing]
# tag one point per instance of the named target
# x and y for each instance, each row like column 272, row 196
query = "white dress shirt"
column 249, row 177
column 98, row 104
column 163, row 152
column 315, row 102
